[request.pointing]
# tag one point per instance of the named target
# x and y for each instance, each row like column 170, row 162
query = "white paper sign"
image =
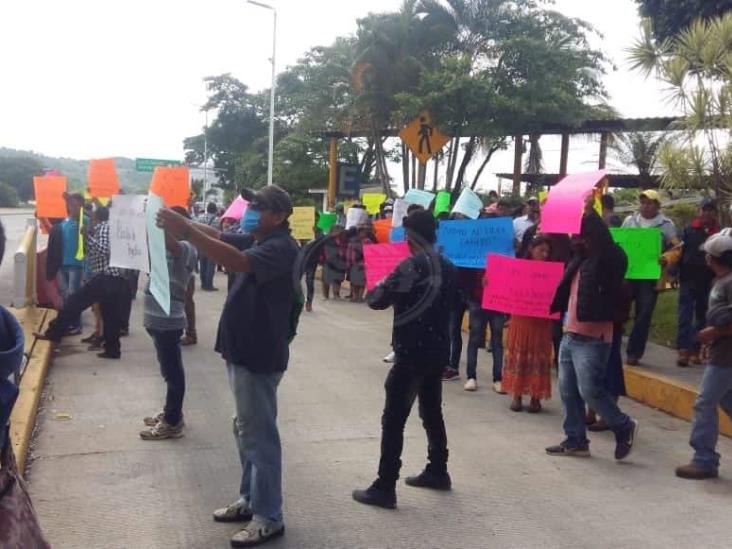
column 159, row 275
column 400, row 212
column 356, row 216
column 128, row 234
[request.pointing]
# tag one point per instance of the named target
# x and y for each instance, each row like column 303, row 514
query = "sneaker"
column 471, row 385
column 450, row 374
column 696, row 359
column 682, row 360
column 124, row 332
column 152, row 421
column 105, row 354
column 188, row 340
column 92, row 339
column 632, row 361
column 377, row 496
column 73, row 331
column 694, row 472
column 498, row 388
column 162, row 430
column 624, row 441
column 564, row 449
column 236, row 512
column 428, row 479
column 389, row 359
column 95, row 346
column 258, row 532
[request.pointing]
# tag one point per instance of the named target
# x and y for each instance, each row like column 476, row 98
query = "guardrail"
column 24, row 273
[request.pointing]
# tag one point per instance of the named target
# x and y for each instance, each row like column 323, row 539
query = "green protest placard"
column 643, row 248
column 326, row 221
column 442, row 202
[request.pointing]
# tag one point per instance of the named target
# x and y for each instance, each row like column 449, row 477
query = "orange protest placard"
column 102, row 178
column 171, row 184
column 49, row 191
column 382, row 229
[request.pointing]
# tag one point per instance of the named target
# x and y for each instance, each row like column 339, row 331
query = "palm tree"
column 641, row 151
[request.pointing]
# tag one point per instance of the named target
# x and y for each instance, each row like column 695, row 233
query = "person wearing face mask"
column 257, row 323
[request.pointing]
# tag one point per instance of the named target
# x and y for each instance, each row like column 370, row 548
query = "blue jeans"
column 456, row 334
column 693, row 298
column 258, row 440
column 208, row 269
column 645, row 296
column 69, row 282
column 479, row 319
column 167, row 346
column 715, row 390
column 582, row 364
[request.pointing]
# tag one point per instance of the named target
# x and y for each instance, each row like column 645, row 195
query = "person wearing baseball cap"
column 716, row 384
column 253, row 338
column 695, row 281
column 645, row 292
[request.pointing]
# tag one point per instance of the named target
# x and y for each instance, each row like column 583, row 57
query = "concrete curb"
column 23, row 417
column 668, row 395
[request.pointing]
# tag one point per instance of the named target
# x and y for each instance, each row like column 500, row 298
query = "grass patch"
column 665, row 319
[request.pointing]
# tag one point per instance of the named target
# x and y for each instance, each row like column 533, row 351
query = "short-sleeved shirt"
column 520, row 226
column 255, row 324
column 180, row 270
column 70, row 243
column 719, row 314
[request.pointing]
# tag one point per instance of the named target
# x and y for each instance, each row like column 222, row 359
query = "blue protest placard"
column 159, row 279
column 466, row 243
column 397, row 234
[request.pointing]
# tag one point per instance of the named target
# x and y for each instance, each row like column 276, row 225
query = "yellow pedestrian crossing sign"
column 423, row 138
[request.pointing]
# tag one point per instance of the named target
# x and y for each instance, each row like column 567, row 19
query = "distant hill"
column 75, row 170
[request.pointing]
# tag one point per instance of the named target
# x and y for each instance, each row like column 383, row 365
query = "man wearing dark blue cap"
column 254, row 332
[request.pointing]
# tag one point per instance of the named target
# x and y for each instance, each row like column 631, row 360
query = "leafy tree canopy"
column 669, row 17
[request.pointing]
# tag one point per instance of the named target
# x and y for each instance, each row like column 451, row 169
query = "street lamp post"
column 270, row 162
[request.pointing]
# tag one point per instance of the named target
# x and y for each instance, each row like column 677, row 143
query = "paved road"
column 97, row 485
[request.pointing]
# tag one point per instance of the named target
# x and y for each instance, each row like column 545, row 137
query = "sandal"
column 516, row 406
column 534, row 407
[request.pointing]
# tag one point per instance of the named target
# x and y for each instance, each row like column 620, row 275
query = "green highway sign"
column 148, row 164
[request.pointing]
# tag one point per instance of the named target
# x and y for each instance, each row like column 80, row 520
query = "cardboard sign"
column 49, row 194
column 468, row 204
column 467, row 242
column 326, row 220
column 373, row 202
column 565, row 203
column 521, row 286
column 381, row 259
column 159, row 277
column 128, row 233
column 302, row 222
column 382, row 230
column 643, row 248
column 356, row 216
column 236, row 209
column 442, row 202
column 400, row 212
column 171, row 183
column 102, row 178
column 417, row 196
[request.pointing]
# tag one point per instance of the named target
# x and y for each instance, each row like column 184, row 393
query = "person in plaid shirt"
column 106, row 287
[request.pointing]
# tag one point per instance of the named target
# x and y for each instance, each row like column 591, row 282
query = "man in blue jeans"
column 256, row 326
column 208, row 267
column 716, row 384
column 589, row 293
column 71, row 271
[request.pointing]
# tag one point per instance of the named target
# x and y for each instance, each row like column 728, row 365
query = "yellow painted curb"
column 23, row 416
column 668, row 395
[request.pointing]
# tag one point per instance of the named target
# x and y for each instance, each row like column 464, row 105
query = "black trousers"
column 112, row 294
column 403, row 385
column 310, row 283
column 131, row 279
column 167, row 346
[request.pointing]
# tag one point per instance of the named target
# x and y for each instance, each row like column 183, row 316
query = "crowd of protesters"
column 261, row 311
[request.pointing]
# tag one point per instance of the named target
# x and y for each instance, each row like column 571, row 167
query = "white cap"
column 717, row 244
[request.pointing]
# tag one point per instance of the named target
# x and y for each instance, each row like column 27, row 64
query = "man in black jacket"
column 589, row 293
column 422, row 291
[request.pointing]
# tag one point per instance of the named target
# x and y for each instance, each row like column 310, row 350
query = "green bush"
column 8, row 196
column 681, row 214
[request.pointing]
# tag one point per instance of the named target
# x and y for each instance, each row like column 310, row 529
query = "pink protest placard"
column 381, row 260
column 562, row 212
column 236, row 209
column 521, row 286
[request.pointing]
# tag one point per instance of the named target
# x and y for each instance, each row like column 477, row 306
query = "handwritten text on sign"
column 381, row 259
column 128, row 233
column 521, row 286
column 466, row 243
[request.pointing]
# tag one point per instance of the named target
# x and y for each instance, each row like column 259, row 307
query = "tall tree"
column 18, row 172
column 669, row 17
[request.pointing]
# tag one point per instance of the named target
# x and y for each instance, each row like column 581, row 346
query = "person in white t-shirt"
column 525, row 222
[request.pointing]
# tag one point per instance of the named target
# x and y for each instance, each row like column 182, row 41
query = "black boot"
column 376, row 495
column 430, row 479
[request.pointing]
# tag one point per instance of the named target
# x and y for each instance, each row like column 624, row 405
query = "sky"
column 92, row 79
